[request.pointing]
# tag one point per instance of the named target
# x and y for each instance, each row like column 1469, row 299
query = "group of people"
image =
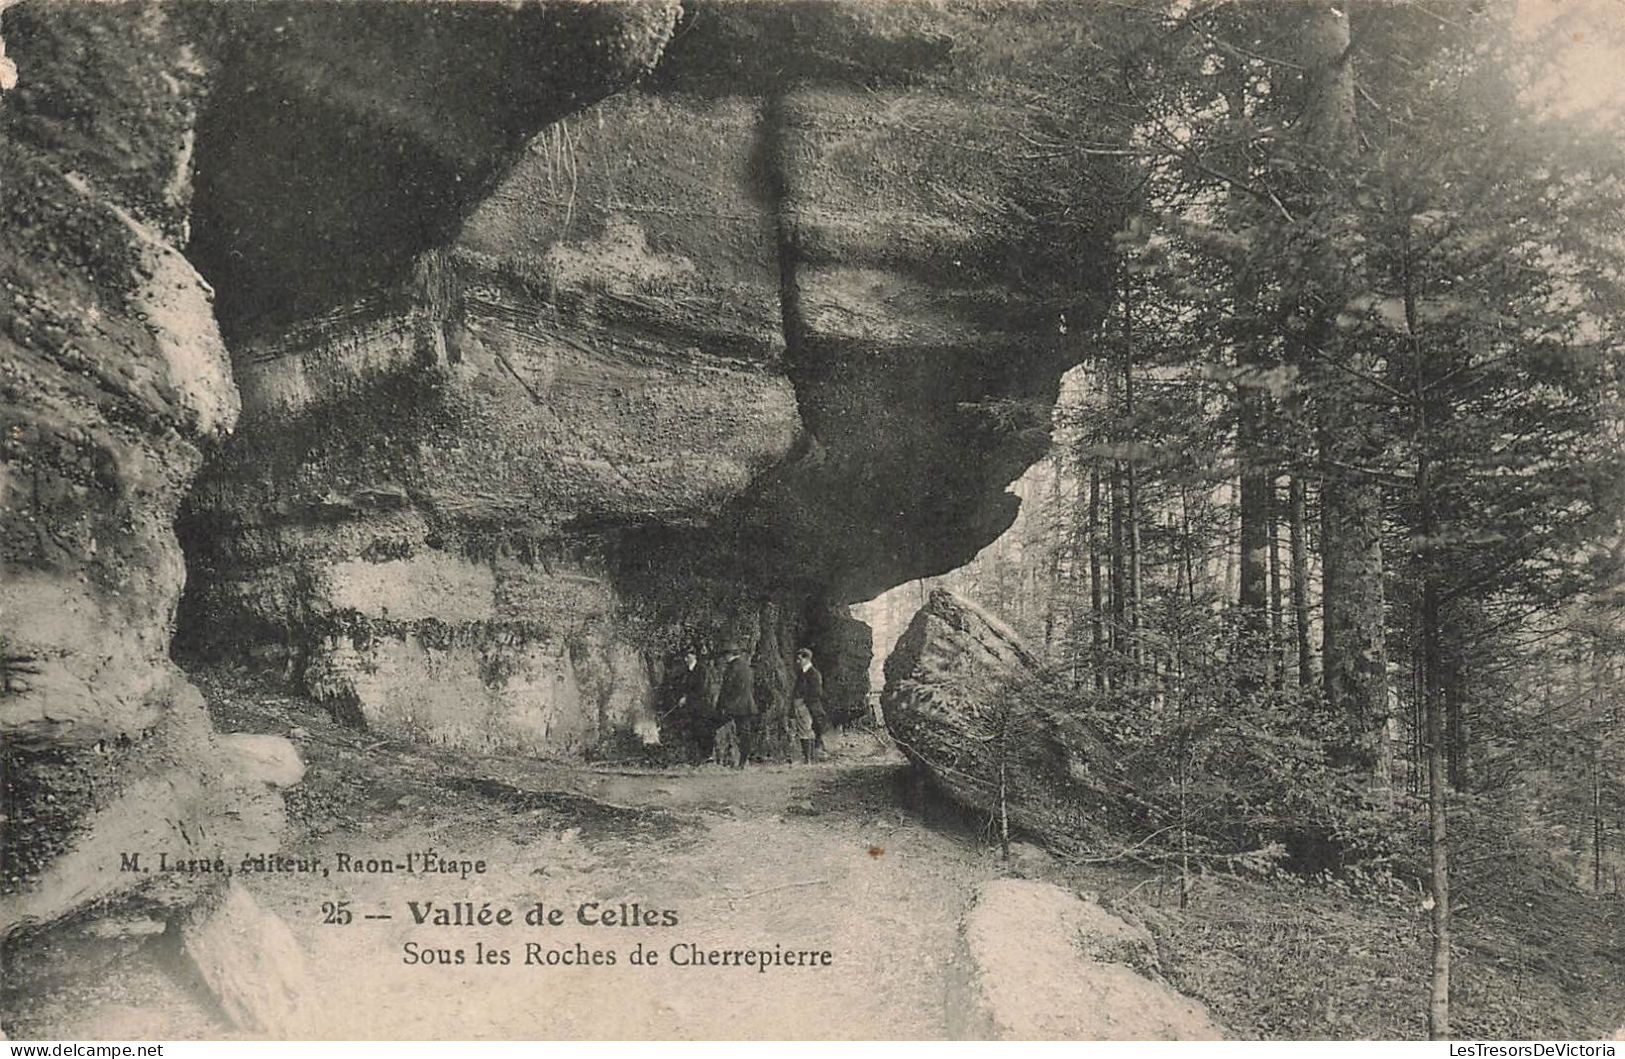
column 716, row 707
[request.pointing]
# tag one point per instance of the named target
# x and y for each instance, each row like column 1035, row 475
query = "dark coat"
column 810, row 689
column 688, row 691
column 737, row 697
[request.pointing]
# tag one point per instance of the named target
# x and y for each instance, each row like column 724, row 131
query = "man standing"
column 737, row 700
column 808, row 699
column 690, row 705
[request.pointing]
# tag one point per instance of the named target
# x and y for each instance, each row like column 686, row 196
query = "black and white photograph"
column 801, row 520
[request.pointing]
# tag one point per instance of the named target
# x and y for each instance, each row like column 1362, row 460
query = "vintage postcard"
column 812, row 519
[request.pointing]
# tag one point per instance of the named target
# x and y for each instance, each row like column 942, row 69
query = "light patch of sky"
column 1589, row 74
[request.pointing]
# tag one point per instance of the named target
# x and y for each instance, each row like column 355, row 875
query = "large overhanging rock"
column 345, row 139
column 704, row 364
column 975, row 711
column 508, row 428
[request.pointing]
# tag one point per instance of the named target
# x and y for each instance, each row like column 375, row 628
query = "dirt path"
column 833, row 856
column 814, row 858
column 810, row 859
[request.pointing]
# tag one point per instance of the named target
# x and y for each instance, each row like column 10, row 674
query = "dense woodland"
column 1332, row 532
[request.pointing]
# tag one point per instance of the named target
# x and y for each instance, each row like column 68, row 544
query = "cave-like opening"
column 1025, row 575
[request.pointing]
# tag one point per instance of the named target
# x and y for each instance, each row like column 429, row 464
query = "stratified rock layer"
column 974, row 710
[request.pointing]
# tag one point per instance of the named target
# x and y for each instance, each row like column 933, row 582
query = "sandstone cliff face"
column 701, row 365
column 534, row 375
column 114, row 379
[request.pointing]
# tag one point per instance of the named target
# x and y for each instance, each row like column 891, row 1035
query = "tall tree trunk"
column 1187, row 551
column 1254, row 510
column 1438, row 850
column 1355, row 652
column 1119, row 571
column 1255, row 475
column 1456, row 631
column 1356, row 657
column 1425, row 550
column 1300, row 580
column 1134, row 584
column 1599, row 674
column 1419, row 720
column 1097, row 614
column 1596, row 821
column 1255, row 526
column 1232, row 534
column 1433, row 704
column 1329, row 588
column 1131, row 480
column 1277, row 619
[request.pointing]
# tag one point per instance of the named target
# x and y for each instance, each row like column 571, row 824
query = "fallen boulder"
column 977, row 713
column 248, row 959
column 1049, row 965
column 271, row 759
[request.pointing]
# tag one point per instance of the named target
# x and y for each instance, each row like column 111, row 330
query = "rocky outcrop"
column 534, row 375
column 977, row 714
column 115, row 379
column 541, row 375
column 712, row 348
column 377, row 128
column 1049, row 965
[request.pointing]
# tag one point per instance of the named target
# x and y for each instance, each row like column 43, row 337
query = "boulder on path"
column 271, row 759
column 1048, row 965
column 978, row 714
column 249, row 961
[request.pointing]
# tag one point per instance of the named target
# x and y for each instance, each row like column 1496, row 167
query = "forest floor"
column 845, row 855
